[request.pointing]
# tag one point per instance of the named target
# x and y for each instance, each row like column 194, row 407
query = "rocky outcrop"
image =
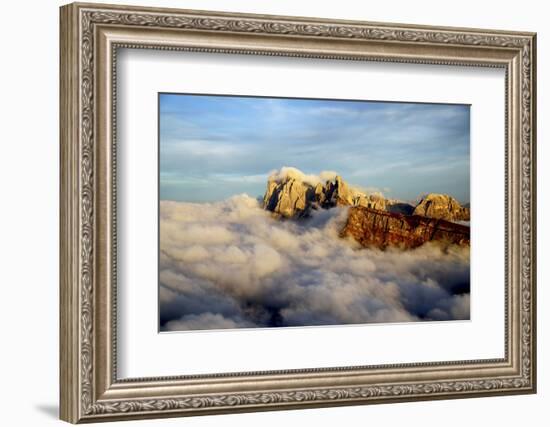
column 442, row 206
column 376, row 228
column 373, row 201
column 291, row 196
column 339, row 193
column 372, row 221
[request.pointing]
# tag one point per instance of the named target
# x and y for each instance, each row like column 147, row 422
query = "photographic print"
column 292, row 212
column 329, row 229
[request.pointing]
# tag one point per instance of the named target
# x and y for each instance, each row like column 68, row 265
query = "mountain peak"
column 292, row 194
column 442, row 206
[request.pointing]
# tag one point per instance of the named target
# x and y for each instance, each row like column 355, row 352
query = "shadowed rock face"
column 375, row 228
column 396, row 206
column 294, row 198
column 442, row 206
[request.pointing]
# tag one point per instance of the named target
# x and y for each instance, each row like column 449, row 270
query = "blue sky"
column 212, row 147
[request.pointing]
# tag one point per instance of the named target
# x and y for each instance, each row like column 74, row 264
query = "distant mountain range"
column 373, row 220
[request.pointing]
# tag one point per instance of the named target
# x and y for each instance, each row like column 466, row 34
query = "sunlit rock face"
column 290, row 198
column 375, row 228
column 341, row 194
column 292, row 194
column 442, row 206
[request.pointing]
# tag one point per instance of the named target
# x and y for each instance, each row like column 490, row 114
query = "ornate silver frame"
column 90, row 36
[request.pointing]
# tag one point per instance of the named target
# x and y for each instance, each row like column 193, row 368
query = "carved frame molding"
column 90, row 37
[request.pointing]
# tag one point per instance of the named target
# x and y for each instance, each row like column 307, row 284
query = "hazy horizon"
column 214, row 147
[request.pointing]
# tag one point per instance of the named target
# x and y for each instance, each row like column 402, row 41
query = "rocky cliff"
column 442, row 206
column 372, row 221
column 371, row 227
column 293, row 195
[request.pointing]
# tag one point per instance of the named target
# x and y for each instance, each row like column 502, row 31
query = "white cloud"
column 230, row 264
column 291, row 172
column 203, row 147
column 205, row 321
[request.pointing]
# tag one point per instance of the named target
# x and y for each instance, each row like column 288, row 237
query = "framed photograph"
column 266, row 212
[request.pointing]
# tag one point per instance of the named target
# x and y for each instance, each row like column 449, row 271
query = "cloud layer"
column 231, row 265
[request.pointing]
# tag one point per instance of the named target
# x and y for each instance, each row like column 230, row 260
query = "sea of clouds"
column 231, row 264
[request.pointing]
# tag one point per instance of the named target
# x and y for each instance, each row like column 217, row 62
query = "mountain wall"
column 372, row 221
column 371, row 227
